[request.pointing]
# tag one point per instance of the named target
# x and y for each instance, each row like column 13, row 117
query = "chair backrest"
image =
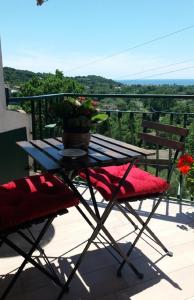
column 162, row 136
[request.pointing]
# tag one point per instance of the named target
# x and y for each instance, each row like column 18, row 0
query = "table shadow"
column 95, row 279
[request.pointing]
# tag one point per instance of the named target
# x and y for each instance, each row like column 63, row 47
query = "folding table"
column 102, row 151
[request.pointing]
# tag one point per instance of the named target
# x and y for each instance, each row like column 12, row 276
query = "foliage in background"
column 121, row 125
column 50, row 84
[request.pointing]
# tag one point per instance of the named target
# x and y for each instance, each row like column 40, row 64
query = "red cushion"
column 137, row 183
column 33, row 197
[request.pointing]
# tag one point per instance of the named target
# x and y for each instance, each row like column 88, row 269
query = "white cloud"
column 123, row 66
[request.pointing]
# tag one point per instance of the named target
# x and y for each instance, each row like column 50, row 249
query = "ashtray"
column 72, row 153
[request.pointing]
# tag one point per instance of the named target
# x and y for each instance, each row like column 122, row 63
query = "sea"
column 185, row 82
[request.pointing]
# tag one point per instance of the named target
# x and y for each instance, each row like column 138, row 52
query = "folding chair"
column 28, row 201
column 139, row 184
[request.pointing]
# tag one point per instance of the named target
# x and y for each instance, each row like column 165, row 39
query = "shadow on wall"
column 13, row 161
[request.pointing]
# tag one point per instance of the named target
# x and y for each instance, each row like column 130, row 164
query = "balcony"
column 164, row 277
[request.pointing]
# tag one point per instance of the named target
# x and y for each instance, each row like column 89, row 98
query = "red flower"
column 185, row 159
column 184, row 169
column 189, row 159
column 185, row 163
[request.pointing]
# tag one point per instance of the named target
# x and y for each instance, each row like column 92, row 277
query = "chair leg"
column 121, row 253
column 123, row 211
column 139, row 234
column 41, row 251
column 102, row 236
column 27, row 258
column 156, row 239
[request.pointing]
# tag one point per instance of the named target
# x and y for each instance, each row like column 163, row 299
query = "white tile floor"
column 164, row 277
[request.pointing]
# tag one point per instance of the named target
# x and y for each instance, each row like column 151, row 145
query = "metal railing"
column 122, row 124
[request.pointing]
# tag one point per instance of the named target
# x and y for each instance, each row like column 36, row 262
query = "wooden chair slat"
column 166, row 128
column 171, row 144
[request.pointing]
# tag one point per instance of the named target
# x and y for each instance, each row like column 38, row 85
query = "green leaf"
column 99, row 118
column 50, row 125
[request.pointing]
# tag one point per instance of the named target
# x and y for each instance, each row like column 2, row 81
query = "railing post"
column 40, row 118
column 109, row 127
column 131, row 127
column 7, row 95
column 171, row 119
column 119, row 116
column 32, row 104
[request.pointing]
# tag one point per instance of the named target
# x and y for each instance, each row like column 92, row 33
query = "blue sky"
column 82, row 37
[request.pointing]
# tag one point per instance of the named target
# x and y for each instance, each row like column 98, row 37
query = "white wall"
column 2, row 89
column 10, row 120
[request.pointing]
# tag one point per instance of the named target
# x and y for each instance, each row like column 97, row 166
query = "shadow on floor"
column 183, row 220
column 96, row 278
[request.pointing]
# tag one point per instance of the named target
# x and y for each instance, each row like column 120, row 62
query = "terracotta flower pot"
column 76, row 140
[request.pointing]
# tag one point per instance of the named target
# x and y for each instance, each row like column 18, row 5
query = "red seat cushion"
column 33, row 197
column 137, row 183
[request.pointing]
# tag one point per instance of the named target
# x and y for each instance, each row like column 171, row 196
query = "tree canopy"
column 50, row 84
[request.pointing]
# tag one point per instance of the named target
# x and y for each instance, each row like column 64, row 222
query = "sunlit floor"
column 164, row 277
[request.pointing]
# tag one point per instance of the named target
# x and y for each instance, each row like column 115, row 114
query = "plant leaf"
column 99, row 118
column 50, row 125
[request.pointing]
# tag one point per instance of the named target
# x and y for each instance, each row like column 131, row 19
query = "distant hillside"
column 91, row 83
column 98, row 84
column 14, row 77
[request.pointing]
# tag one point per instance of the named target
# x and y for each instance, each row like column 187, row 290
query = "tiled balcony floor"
column 164, row 277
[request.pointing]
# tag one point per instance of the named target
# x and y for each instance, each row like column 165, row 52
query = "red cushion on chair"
column 33, row 197
column 137, row 183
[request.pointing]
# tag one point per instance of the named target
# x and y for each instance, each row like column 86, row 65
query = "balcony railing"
column 121, row 124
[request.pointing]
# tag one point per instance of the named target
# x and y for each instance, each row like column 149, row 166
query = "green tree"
column 50, row 84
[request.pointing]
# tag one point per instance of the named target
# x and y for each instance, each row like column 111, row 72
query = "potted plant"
column 77, row 117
